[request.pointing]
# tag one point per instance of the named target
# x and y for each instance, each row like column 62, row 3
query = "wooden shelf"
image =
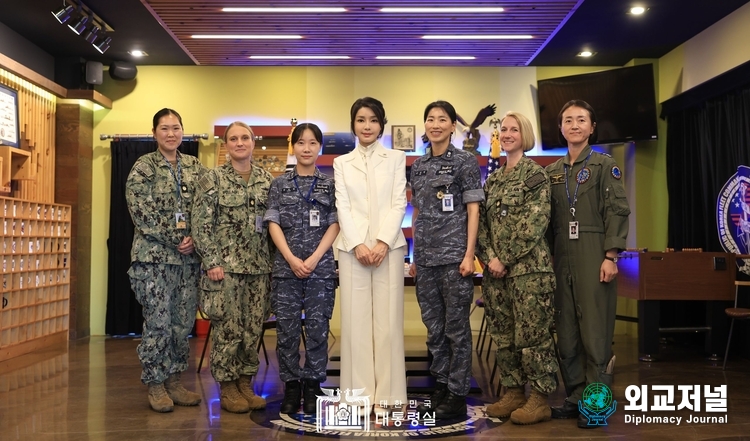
column 16, row 165
column 35, row 274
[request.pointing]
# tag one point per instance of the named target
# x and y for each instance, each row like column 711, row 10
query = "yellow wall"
column 206, row 96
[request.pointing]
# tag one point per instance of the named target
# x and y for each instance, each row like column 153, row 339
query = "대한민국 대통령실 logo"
column 597, row 404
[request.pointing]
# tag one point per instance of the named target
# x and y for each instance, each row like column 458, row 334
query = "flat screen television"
column 623, row 99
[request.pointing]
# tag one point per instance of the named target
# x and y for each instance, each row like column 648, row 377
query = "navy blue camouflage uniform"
column 289, row 206
column 440, row 242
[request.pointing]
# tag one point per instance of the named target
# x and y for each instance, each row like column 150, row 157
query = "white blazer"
column 350, row 174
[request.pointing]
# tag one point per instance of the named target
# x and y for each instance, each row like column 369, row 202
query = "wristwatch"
column 613, row 259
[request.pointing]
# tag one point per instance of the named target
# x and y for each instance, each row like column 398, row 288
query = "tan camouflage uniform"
column 512, row 223
column 227, row 214
column 165, row 282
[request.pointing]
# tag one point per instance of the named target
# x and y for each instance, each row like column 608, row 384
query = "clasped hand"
column 371, row 257
column 497, row 269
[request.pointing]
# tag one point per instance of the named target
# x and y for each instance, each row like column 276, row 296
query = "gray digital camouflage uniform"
column 229, row 232
column 440, row 241
column 289, row 207
column 585, row 307
column 165, row 282
column 512, row 224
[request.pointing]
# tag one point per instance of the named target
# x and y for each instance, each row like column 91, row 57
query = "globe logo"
column 597, row 397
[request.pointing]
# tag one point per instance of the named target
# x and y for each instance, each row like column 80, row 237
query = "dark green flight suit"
column 585, row 307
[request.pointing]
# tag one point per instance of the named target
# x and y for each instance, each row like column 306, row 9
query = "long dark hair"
column 377, row 108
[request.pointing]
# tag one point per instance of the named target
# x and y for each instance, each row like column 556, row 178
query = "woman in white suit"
column 371, row 200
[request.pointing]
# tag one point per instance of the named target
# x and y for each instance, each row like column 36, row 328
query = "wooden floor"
column 91, row 391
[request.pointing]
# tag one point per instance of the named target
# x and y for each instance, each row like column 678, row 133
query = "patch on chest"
column 206, row 183
column 535, row 181
column 444, row 170
column 557, row 178
column 583, row 175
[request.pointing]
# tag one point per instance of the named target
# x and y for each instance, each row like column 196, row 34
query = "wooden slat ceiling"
column 362, row 32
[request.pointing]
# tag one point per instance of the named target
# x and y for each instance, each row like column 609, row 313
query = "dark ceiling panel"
column 164, row 28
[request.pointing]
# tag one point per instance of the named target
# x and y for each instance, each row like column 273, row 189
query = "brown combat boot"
column 245, row 386
column 158, row 398
column 178, row 393
column 513, row 399
column 231, row 400
column 536, row 410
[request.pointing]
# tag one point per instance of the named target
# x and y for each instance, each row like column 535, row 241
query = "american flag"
column 492, row 165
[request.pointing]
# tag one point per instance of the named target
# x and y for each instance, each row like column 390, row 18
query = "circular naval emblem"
column 733, row 216
column 583, row 175
column 336, row 422
column 616, row 173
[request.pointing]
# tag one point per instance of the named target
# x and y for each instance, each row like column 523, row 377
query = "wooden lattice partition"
column 36, row 118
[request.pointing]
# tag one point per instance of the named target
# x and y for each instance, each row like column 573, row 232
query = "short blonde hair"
column 241, row 124
column 527, row 132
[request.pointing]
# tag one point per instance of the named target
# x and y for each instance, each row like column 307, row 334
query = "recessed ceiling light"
column 585, row 54
column 457, row 10
column 637, row 10
column 248, row 37
column 137, row 53
column 299, row 57
column 477, row 37
column 285, row 10
column 424, row 57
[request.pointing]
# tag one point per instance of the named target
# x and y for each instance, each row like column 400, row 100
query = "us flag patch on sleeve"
column 535, row 180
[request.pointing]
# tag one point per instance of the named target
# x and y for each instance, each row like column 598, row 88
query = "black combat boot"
column 453, row 406
column 437, row 397
column 310, row 395
column 292, row 397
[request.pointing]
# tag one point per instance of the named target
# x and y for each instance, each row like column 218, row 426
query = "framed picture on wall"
column 403, row 138
column 8, row 116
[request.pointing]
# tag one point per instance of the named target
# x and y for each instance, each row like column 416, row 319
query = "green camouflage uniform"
column 585, row 307
column 512, row 224
column 165, row 282
column 229, row 232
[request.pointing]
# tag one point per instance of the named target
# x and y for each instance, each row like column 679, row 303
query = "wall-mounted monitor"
column 624, row 101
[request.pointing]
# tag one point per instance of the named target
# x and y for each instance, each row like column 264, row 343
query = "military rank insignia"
column 583, row 175
column 557, row 179
column 616, row 173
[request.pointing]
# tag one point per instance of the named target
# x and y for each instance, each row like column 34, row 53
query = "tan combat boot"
column 178, row 393
column 245, row 386
column 513, row 399
column 536, row 410
column 231, row 400
column 158, row 398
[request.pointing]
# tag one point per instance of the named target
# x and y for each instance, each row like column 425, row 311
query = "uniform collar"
column 450, row 152
column 293, row 173
column 581, row 156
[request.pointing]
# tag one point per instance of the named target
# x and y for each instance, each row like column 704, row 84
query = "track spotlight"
column 78, row 26
column 64, row 14
column 91, row 34
column 102, row 43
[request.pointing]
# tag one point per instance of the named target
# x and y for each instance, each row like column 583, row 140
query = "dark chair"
column 735, row 313
column 483, row 328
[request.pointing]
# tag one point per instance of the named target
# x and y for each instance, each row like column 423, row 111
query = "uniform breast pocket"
column 323, row 204
column 513, row 199
column 231, row 208
column 493, row 204
column 289, row 211
column 164, row 198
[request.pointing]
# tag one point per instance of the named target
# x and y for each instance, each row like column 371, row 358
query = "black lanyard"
column 572, row 203
column 309, row 192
